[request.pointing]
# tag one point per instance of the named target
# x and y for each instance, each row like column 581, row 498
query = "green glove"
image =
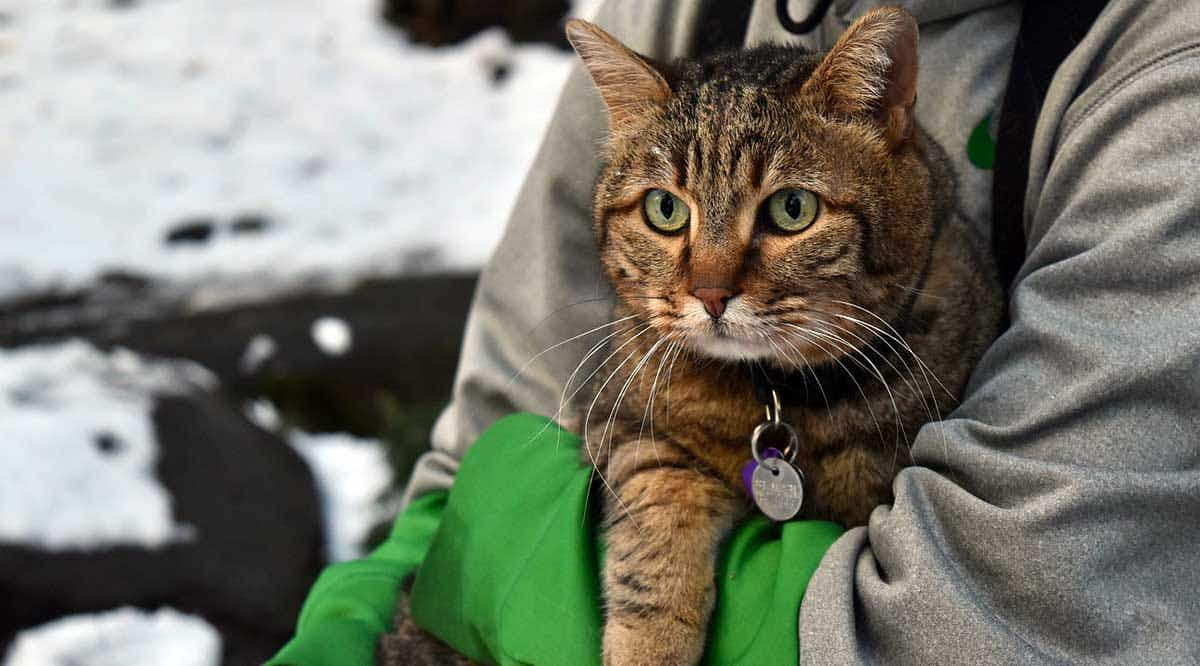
column 352, row 603
column 511, row 575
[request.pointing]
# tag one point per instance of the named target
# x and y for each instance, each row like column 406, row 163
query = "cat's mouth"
column 735, row 336
column 729, row 347
column 721, row 340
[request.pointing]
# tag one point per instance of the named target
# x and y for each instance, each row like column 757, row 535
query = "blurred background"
column 238, row 241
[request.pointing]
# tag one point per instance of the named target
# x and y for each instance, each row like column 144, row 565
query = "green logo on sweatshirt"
column 981, row 147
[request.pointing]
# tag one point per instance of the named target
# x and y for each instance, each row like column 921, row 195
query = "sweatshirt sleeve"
column 1055, row 517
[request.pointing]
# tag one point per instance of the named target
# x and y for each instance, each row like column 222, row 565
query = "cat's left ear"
column 872, row 70
column 627, row 82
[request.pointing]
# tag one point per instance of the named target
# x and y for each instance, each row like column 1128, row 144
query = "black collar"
column 822, row 385
column 832, row 382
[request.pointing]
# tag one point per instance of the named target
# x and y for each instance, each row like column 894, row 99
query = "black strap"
column 1048, row 33
column 763, row 384
column 805, row 25
column 826, row 384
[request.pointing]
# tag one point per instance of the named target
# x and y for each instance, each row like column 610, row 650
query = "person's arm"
column 1055, row 517
column 543, row 286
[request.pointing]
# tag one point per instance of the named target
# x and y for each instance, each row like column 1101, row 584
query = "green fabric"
column 352, row 603
column 510, row 576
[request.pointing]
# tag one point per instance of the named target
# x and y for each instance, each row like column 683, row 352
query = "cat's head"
column 755, row 204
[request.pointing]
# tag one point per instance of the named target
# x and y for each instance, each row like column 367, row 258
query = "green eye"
column 792, row 210
column 665, row 211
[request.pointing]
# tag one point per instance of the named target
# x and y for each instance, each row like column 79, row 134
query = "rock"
column 256, row 551
column 500, row 72
column 451, row 21
column 249, row 223
column 191, row 230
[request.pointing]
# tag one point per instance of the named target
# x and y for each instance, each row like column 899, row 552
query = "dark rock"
column 390, row 384
column 451, row 21
column 257, row 548
column 249, row 223
column 107, row 442
column 500, row 72
column 193, row 230
column 407, row 331
column 123, row 281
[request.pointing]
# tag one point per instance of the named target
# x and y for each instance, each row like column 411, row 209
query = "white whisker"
column 811, row 371
column 610, row 430
column 807, row 336
column 650, row 402
column 874, row 369
column 926, row 371
column 898, row 338
column 551, row 348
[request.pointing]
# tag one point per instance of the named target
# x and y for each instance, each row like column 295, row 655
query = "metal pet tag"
column 778, row 489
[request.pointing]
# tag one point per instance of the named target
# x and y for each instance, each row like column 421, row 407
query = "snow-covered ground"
column 78, row 452
column 286, row 145
column 77, row 447
column 121, row 637
column 353, row 477
column 364, row 154
column 77, row 472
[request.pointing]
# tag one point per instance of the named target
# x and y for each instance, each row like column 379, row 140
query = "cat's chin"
column 730, row 348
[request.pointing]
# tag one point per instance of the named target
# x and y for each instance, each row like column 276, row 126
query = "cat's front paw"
column 652, row 642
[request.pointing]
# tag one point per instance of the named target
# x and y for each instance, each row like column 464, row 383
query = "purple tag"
column 752, row 464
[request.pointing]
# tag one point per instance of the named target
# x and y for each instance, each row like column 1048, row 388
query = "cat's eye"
column 792, row 210
column 665, row 211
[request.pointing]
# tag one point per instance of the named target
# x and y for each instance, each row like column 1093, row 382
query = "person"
column 1055, row 515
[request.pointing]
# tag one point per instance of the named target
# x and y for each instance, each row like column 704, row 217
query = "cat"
column 769, row 211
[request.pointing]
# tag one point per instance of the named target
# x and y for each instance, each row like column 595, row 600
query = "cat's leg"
column 664, row 526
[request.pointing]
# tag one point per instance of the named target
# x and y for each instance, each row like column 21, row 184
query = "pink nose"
column 714, row 299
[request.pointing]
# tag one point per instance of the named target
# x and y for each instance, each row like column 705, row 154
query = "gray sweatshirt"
column 1055, row 516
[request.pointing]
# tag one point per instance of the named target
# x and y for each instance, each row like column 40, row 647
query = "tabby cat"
column 772, row 211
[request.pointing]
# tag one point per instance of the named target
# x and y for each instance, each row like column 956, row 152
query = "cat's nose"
column 714, row 299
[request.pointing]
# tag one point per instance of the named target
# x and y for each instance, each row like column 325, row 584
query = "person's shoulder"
column 1130, row 39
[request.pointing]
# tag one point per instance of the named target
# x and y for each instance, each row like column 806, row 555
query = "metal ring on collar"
column 773, row 414
column 789, row 452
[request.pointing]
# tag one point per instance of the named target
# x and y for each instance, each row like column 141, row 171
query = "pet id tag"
column 776, row 486
column 778, row 489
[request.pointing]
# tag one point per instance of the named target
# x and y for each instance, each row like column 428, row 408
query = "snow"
column 263, row 414
column 364, row 154
column 353, row 478
column 77, row 447
column 121, row 637
column 258, row 351
column 284, row 146
column 585, row 9
column 332, row 335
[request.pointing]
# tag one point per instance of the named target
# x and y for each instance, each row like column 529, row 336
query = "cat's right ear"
column 628, row 83
column 872, row 70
